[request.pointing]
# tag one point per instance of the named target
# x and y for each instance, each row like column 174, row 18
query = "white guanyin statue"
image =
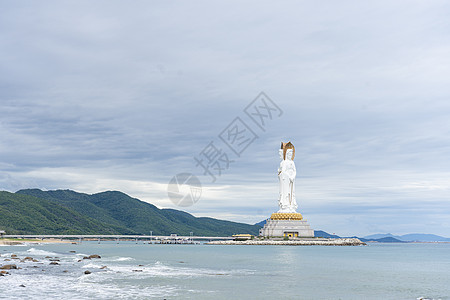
column 286, row 176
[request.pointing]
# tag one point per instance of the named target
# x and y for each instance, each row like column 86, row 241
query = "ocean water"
column 146, row 271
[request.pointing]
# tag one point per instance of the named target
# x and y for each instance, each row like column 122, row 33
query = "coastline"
column 16, row 242
column 299, row 242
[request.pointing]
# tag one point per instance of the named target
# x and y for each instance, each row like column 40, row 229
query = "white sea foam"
column 118, row 258
column 91, row 265
column 61, row 287
column 34, row 251
column 163, row 271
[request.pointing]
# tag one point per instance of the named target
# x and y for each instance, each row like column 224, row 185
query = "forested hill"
column 34, row 211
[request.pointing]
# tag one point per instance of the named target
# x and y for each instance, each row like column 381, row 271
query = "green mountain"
column 66, row 211
column 27, row 214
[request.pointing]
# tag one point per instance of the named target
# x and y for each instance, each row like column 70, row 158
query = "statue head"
column 288, row 146
column 289, row 154
column 280, row 152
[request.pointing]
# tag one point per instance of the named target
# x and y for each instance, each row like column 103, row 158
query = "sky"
column 116, row 95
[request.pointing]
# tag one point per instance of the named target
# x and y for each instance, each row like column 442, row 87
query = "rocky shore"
column 295, row 242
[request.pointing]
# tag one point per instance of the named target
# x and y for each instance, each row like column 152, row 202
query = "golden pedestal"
column 286, row 216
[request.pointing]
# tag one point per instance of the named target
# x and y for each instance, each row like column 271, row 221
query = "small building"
column 2, row 233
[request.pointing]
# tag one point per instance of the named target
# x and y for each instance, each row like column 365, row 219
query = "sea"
column 129, row 270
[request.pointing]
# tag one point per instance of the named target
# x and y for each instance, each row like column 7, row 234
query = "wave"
column 120, row 258
column 159, row 269
column 35, row 251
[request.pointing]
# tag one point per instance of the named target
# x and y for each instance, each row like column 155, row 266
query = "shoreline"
column 299, row 242
column 17, row 242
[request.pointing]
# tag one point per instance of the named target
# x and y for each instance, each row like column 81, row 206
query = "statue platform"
column 286, row 224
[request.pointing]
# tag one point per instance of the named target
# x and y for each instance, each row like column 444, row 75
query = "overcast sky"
column 117, row 95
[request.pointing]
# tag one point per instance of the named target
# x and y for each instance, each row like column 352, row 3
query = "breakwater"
column 296, row 242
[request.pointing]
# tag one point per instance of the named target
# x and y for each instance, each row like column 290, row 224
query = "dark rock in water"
column 86, row 257
column 87, row 272
column 54, row 259
column 8, row 267
column 140, row 265
column 137, row 270
column 79, row 260
column 104, row 267
column 3, row 272
column 28, row 258
column 48, row 257
column 21, row 285
column 7, row 259
column 73, row 251
column 54, row 263
column 65, row 271
column 94, row 256
column 35, row 260
column 73, row 243
column 13, row 255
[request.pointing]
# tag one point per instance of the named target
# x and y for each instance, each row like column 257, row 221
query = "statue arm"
column 291, row 172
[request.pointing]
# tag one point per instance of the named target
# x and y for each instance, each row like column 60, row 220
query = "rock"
column 65, row 271
column 8, row 267
column 73, row 251
column 35, row 260
column 79, row 260
column 7, row 259
column 86, row 257
column 94, row 256
column 87, row 272
column 21, row 285
column 3, row 272
column 140, row 265
column 104, row 267
column 48, row 257
column 28, row 258
column 13, row 255
column 137, row 270
column 54, row 263
column 73, row 243
column 54, row 259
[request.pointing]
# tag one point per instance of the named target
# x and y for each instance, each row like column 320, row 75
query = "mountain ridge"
column 410, row 237
column 108, row 212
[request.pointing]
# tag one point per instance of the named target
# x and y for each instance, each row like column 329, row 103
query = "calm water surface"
column 143, row 271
